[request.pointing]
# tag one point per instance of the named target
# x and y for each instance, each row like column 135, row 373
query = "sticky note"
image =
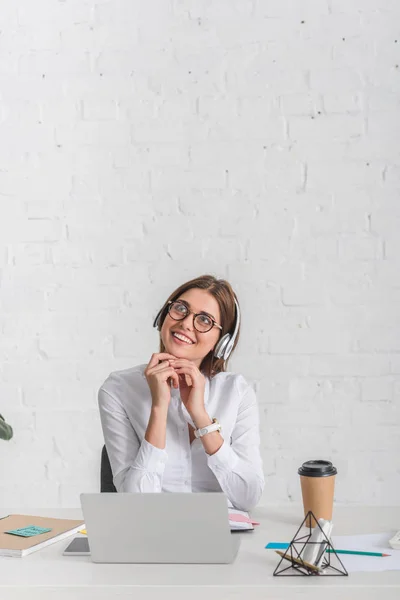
column 277, row 546
column 28, row 531
column 238, row 518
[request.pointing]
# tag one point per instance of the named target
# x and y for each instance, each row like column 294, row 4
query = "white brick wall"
column 144, row 143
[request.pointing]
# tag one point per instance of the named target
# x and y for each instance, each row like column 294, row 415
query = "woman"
column 182, row 423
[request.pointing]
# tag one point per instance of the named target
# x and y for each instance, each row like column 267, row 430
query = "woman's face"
column 198, row 301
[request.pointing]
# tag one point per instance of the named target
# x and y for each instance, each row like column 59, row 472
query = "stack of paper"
column 239, row 520
column 373, row 542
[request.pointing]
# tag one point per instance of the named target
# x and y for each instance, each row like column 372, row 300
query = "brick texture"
column 144, row 143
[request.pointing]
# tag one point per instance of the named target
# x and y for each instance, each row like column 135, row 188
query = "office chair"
column 106, row 476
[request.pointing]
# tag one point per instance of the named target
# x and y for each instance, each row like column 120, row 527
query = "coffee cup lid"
column 317, row 468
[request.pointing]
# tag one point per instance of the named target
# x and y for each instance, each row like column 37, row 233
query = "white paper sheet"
column 374, row 542
column 238, row 525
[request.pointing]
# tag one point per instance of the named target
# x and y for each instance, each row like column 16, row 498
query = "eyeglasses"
column 201, row 321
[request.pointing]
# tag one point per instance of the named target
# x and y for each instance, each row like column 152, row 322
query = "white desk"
column 48, row 575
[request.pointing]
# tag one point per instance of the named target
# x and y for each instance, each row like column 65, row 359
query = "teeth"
column 183, row 338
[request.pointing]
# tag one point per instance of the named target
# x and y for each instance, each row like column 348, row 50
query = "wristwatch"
column 215, row 426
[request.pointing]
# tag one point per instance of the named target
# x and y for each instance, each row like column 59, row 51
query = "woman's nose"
column 188, row 323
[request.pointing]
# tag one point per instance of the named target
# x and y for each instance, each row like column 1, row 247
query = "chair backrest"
column 106, row 476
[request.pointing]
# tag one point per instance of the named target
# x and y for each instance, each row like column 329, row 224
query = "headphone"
column 225, row 345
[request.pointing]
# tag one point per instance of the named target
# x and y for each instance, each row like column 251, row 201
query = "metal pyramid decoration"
column 328, row 564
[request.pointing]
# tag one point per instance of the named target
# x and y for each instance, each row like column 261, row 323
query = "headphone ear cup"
column 220, row 348
column 228, row 349
column 157, row 320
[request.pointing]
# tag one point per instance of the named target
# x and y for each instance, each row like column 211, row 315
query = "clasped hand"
column 182, row 373
column 191, row 385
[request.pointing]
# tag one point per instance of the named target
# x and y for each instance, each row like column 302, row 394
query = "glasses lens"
column 203, row 323
column 178, row 311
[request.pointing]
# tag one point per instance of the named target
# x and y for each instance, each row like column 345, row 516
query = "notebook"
column 18, row 545
column 239, row 520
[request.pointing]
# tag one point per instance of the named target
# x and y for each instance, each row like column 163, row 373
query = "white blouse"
column 138, row 466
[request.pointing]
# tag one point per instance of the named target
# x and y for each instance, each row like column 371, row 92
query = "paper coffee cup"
column 317, row 478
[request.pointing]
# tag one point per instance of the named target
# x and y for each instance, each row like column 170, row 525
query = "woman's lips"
column 178, row 341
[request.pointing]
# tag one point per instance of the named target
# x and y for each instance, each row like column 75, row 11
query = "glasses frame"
column 189, row 312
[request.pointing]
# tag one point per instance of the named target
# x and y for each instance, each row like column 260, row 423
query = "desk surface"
column 46, row 572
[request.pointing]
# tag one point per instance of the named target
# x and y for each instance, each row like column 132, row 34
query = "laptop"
column 159, row 528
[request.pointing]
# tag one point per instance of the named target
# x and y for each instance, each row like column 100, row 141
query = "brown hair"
column 225, row 296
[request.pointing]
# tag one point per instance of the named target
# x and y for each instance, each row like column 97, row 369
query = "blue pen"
column 284, row 546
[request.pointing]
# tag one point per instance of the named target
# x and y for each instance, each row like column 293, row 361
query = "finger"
column 167, row 372
column 184, row 364
column 187, row 374
column 185, row 377
column 173, row 379
column 167, row 361
column 159, row 367
column 182, row 361
column 185, row 369
column 182, row 381
column 157, row 357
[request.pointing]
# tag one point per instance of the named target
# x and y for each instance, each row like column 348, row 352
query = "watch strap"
column 215, row 426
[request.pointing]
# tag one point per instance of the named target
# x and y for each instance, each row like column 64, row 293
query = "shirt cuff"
column 150, row 458
column 224, row 458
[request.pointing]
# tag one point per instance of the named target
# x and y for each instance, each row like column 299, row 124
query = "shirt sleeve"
column 238, row 466
column 136, row 467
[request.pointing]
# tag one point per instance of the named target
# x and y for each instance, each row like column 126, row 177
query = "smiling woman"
column 182, row 422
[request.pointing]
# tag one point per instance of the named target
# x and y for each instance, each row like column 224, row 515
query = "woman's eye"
column 205, row 320
column 181, row 308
